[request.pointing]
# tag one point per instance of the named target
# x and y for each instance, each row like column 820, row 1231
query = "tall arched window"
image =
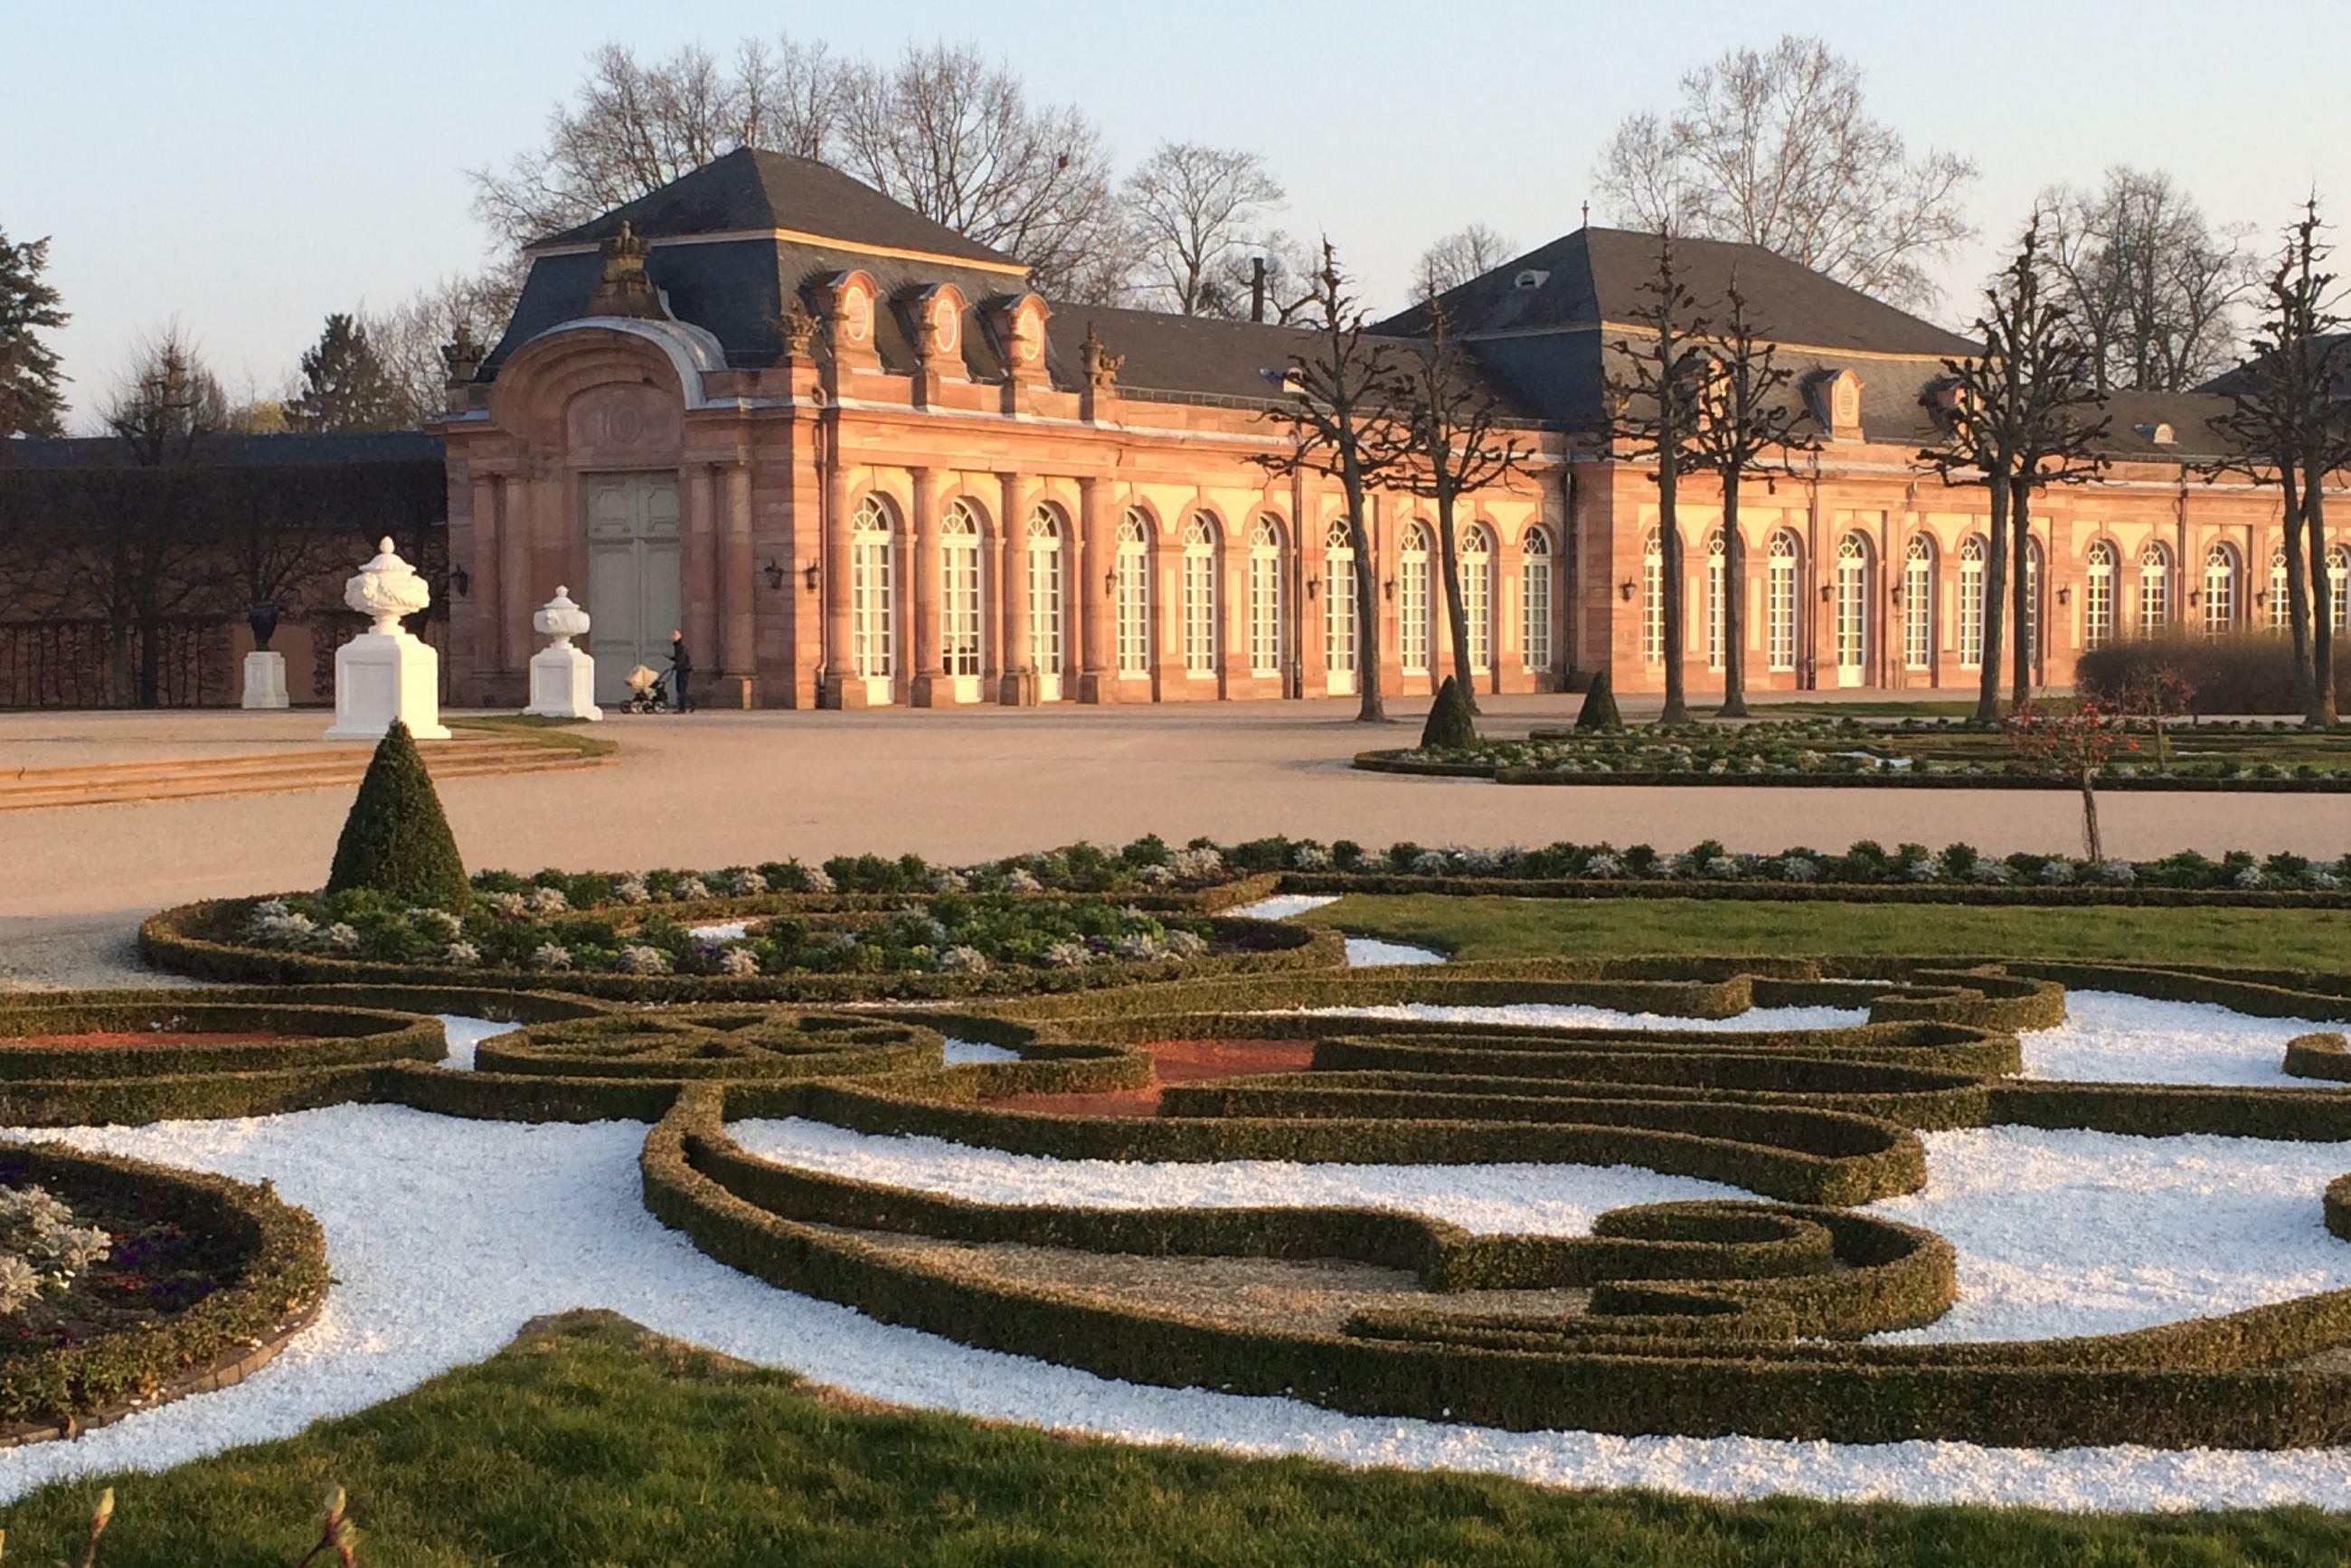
column 2278, row 597
column 1972, row 551
column 1779, row 603
column 2098, row 596
column 1477, row 595
column 2219, row 589
column 872, row 603
column 2339, row 578
column 2154, row 588
column 1339, row 607
column 2033, row 578
column 1047, row 618
column 1411, row 601
column 1851, row 609
column 1653, row 600
column 1918, row 603
column 1265, row 597
column 1717, row 561
column 960, row 598
column 1132, row 611
column 1534, row 599
column 1200, row 595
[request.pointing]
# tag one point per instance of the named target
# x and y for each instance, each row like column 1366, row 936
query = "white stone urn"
column 386, row 673
column 562, row 676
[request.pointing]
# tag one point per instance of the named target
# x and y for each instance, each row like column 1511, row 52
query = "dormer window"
column 1532, row 277
column 1835, row 398
column 2160, row 433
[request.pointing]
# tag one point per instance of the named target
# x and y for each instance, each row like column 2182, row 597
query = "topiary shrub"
column 1599, row 705
column 1451, row 725
column 396, row 840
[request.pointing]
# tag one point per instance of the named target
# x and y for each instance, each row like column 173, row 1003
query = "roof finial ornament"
column 797, row 326
column 1102, row 365
column 463, row 355
column 624, row 289
column 1587, row 211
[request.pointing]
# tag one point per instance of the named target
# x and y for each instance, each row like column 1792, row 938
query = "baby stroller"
column 648, row 690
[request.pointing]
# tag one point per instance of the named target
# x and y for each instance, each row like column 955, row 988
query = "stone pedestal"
column 381, row 676
column 562, row 676
column 265, row 680
column 385, row 673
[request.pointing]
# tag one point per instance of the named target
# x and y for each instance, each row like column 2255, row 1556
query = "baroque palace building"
column 860, row 462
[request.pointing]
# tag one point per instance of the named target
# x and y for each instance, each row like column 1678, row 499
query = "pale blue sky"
column 249, row 166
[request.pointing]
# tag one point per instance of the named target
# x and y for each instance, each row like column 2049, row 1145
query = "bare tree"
column 1654, row 416
column 1747, row 424
column 1292, row 283
column 1193, row 210
column 633, row 127
column 2152, row 285
column 407, row 336
column 1455, row 258
column 2286, row 427
column 952, row 135
column 2012, row 418
column 1778, row 148
column 1340, row 418
column 1455, row 438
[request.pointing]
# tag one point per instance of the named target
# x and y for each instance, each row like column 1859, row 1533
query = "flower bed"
column 202, row 1280
column 1912, row 753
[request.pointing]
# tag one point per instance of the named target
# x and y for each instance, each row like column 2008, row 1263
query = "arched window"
column 1717, row 562
column 1339, row 607
column 2154, row 588
column 1972, row 551
column 1477, row 595
column 1918, row 603
column 2098, row 596
column 2280, row 599
column 1534, row 599
column 959, row 595
column 871, row 601
column 1411, row 601
column 1200, row 595
column 1851, row 608
column 1265, row 597
column 1131, row 613
column 2339, row 578
column 1779, row 603
column 1047, row 617
column 1653, row 600
column 2219, row 589
column 2032, row 578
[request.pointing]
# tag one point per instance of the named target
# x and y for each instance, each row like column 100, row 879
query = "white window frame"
column 963, row 594
column 1919, row 604
column 1047, row 622
column 2154, row 588
column 1131, row 609
column 1534, row 599
column 2220, row 590
column 1478, row 596
column 1265, row 597
column 1200, row 597
column 1718, row 561
column 1339, row 640
column 872, row 590
column 1973, row 582
column 2098, row 569
column 1412, row 601
column 1782, row 568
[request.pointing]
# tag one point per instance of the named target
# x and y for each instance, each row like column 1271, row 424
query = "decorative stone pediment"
column 1015, row 326
column 627, row 421
column 1833, row 396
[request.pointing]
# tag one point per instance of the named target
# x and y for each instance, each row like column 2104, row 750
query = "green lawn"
column 589, row 1444
column 1540, row 927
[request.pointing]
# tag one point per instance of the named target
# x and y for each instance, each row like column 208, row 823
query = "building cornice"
column 793, row 236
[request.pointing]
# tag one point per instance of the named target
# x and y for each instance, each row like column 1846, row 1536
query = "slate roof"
column 751, row 189
column 1596, row 276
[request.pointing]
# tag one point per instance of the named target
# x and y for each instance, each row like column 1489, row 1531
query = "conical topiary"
column 1599, row 705
column 1451, row 725
column 396, row 840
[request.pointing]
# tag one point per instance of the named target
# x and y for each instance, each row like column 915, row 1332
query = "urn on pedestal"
column 562, row 677
column 385, row 672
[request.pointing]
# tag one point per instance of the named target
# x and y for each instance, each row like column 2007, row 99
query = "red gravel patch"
column 1175, row 1062
column 114, row 1038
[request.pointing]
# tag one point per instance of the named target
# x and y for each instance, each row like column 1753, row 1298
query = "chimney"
column 1257, row 289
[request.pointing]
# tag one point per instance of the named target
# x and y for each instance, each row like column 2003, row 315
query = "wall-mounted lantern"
column 775, row 572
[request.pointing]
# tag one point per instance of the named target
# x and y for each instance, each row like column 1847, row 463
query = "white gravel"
column 1555, row 1200
column 1371, row 950
column 1283, row 906
column 1559, row 1015
column 464, row 1034
column 720, row 931
column 447, row 1235
column 976, row 1050
column 2110, row 1037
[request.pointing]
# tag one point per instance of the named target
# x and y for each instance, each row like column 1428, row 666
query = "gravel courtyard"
column 712, row 788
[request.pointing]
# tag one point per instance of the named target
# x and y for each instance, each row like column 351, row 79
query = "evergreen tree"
column 396, row 840
column 1452, row 724
column 1599, row 710
column 31, row 400
column 344, row 383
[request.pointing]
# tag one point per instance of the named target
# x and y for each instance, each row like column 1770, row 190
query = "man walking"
column 681, row 665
